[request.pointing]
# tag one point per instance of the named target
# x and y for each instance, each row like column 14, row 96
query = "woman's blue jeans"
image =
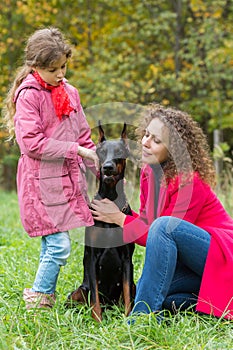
column 176, row 252
column 55, row 249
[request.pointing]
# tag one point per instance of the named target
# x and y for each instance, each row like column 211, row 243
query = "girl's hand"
column 89, row 154
column 107, row 211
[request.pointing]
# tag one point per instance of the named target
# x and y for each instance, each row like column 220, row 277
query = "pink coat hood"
column 52, row 189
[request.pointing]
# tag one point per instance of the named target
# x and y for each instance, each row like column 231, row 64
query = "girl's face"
column 54, row 74
column 155, row 143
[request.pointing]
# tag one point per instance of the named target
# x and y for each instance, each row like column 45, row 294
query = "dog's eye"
column 101, row 152
column 120, row 153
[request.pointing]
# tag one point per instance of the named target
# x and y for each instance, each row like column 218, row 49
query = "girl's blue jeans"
column 55, row 249
column 176, row 252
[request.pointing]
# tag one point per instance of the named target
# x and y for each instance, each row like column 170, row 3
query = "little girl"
column 54, row 140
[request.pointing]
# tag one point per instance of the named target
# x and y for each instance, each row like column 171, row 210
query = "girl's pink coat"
column 51, row 176
column 198, row 204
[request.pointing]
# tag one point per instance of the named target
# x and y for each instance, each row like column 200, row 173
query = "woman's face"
column 155, row 143
column 54, row 74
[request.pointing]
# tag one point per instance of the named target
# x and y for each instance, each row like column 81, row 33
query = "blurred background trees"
column 176, row 52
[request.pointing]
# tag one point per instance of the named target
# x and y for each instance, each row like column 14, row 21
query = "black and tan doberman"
column 108, row 267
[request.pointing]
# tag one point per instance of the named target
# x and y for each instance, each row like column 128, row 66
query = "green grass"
column 225, row 191
column 75, row 329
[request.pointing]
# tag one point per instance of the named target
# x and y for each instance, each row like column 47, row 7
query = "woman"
column 187, row 233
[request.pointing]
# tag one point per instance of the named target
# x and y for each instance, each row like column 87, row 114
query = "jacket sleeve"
column 135, row 230
column 84, row 139
column 30, row 135
column 136, row 227
column 185, row 202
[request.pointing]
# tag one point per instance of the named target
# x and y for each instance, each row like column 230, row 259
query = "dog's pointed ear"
column 123, row 133
column 101, row 133
column 124, row 138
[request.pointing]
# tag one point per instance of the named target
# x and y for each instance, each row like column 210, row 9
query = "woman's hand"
column 89, row 154
column 107, row 211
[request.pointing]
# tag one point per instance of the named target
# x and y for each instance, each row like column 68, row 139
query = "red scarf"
column 59, row 95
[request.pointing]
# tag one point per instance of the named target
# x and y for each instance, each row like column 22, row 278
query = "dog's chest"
column 109, row 262
column 109, row 271
column 103, row 235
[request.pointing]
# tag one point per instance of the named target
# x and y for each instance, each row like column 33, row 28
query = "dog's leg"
column 126, row 296
column 94, row 294
column 90, row 275
column 96, row 311
column 127, row 286
column 79, row 296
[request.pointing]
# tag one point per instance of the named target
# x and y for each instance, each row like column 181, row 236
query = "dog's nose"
column 108, row 166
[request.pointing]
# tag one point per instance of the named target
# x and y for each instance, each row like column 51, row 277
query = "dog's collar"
column 125, row 207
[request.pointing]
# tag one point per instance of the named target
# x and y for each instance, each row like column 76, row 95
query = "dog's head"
column 112, row 156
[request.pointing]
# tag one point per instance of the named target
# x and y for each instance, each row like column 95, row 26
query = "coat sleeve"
column 185, row 202
column 30, row 134
column 84, row 139
column 136, row 227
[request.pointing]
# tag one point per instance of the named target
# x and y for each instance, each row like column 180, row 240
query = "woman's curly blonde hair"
column 188, row 148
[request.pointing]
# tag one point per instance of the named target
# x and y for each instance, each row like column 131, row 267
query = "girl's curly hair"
column 188, row 148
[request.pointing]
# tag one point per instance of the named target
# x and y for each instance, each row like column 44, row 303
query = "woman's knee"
column 162, row 227
column 165, row 224
column 157, row 228
column 160, row 224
